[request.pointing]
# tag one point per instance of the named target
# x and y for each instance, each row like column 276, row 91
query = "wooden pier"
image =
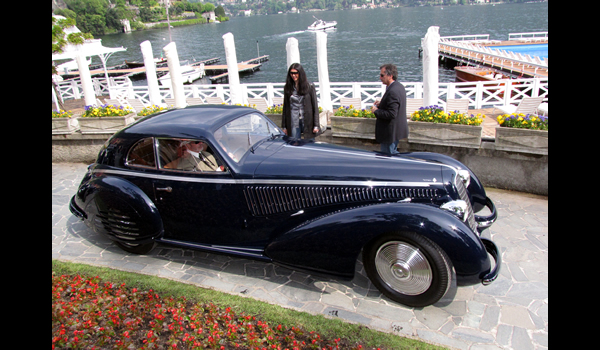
column 216, row 72
column 483, row 55
column 244, row 67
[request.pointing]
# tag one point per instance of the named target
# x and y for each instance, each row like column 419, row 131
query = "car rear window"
column 142, row 154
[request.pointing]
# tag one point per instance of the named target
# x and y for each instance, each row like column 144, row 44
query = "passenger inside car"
column 194, row 155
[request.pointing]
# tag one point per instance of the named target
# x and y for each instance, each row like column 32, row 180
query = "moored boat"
column 137, row 64
column 465, row 73
column 189, row 74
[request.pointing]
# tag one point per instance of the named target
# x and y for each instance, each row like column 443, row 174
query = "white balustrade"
column 480, row 94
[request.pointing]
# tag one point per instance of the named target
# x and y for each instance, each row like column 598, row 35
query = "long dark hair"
column 303, row 83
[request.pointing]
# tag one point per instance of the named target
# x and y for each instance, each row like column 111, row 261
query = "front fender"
column 118, row 209
column 331, row 243
column 476, row 189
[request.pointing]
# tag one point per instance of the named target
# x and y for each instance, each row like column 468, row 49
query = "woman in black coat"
column 300, row 108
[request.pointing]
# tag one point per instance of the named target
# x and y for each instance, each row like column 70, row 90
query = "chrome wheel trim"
column 403, row 267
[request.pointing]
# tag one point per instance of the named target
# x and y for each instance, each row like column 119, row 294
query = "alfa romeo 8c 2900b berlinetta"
column 226, row 179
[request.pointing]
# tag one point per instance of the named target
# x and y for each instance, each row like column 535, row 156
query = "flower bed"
column 525, row 133
column 350, row 111
column 432, row 125
column 90, row 313
column 275, row 109
column 105, row 119
column 151, row 110
column 436, row 114
column 63, row 122
column 106, row 110
column 523, row 121
column 62, row 114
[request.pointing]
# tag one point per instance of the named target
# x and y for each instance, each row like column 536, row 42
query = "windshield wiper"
column 260, row 142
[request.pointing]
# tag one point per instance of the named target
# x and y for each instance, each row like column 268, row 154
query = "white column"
column 293, row 54
column 153, row 90
column 323, row 71
column 175, row 71
column 86, row 80
column 430, row 66
column 232, row 70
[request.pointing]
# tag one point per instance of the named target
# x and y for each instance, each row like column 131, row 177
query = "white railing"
column 467, row 50
column 72, row 89
column 480, row 94
column 531, row 36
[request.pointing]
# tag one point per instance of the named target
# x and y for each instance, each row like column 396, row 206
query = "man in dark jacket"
column 391, row 125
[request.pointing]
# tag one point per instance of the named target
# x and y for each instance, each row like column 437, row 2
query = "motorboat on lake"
column 320, row 24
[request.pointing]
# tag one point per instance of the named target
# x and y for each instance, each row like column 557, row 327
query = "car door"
column 197, row 198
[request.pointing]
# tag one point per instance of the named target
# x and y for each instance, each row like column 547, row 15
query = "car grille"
column 462, row 192
column 115, row 223
column 267, row 200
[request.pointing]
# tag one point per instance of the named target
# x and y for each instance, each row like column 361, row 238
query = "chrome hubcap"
column 403, row 267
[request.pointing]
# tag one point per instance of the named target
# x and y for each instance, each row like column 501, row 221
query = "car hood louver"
column 269, row 200
column 314, row 174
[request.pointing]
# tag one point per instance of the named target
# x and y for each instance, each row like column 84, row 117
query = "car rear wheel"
column 408, row 268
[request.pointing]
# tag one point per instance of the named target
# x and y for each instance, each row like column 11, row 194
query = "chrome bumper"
column 484, row 222
column 493, row 250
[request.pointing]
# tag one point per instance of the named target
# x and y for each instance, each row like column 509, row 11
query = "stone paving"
column 511, row 313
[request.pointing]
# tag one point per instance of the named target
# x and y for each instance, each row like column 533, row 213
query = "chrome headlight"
column 465, row 176
column 458, row 208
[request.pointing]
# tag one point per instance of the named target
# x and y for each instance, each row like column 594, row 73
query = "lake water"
column 363, row 40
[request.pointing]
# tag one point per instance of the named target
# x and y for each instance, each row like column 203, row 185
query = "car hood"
column 323, row 161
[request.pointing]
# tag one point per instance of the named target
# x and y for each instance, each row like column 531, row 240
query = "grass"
column 109, row 308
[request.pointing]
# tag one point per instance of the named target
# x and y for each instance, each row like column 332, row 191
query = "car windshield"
column 239, row 135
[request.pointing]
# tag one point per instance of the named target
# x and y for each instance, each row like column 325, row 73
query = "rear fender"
column 119, row 209
column 331, row 243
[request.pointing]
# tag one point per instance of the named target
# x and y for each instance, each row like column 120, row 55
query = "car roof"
column 190, row 122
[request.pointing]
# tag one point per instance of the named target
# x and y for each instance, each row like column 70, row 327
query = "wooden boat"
column 468, row 74
column 465, row 73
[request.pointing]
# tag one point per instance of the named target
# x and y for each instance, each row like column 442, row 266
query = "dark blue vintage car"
column 225, row 179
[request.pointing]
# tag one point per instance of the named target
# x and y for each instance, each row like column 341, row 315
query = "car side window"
column 142, row 154
column 188, row 155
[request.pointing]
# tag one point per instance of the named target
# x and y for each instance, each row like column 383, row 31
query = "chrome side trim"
column 250, row 252
column 208, row 179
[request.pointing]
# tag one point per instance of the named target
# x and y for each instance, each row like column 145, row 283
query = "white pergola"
column 91, row 47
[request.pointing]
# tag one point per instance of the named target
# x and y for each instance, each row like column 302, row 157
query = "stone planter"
column 104, row 125
column 522, row 140
column 362, row 128
column 275, row 118
column 442, row 134
column 64, row 126
column 323, row 119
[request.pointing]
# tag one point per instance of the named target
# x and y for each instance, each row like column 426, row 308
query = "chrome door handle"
column 167, row 189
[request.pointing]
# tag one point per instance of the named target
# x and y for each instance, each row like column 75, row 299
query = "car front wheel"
column 408, row 268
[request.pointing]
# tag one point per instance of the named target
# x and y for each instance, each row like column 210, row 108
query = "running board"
column 253, row 253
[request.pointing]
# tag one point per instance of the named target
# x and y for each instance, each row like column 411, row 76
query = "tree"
column 220, row 11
